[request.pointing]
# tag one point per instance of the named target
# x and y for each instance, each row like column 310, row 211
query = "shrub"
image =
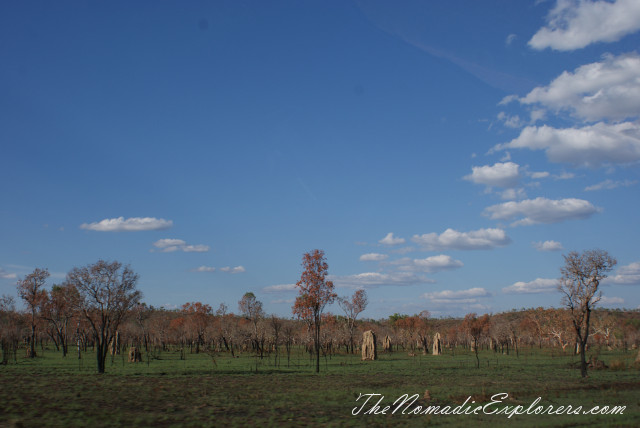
column 618, row 365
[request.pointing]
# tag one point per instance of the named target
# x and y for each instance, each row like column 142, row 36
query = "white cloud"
column 541, row 210
column 437, row 263
column 564, row 176
column 166, row 243
column 610, row 184
column 510, row 194
column 611, row 301
column 456, row 297
column 375, row 279
column 548, row 246
column 195, row 248
column 227, row 269
column 373, row 257
column 510, row 121
column 450, row 239
column 510, row 39
column 536, row 115
column 538, row 285
column 601, row 90
column 280, row 288
column 595, row 145
column 500, row 174
column 508, row 99
column 539, row 175
column 575, row 24
column 391, row 240
column 7, row 275
column 626, row 275
column 172, row 245
column 430, row 264
column 133, row 224
column 170, row 306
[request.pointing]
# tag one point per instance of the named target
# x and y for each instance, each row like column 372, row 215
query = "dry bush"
column 617, row 365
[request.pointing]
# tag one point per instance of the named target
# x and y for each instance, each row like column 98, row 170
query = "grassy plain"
column 167, row 391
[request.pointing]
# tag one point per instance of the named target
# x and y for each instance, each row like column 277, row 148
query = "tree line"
column 99, row 307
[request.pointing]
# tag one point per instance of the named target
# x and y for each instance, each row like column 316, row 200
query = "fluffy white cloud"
column 280, row 288
column 133, row 224
column 575, row 24
column 505, row 174
column 375, row 279
column 171, row 245
column 541, row 210
column 205, row 269
column 592, row 146
column 538, row 285
column 391, row 240
column 373, row 257
column 548, row 246
column 626, row 275
column 610, row 184
column 166, row 243
column 450, row 239
column 430, row 264
column 457, row 297
column 7, row 275
column 602, row 90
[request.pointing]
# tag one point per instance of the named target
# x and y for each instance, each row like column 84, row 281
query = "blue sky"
column 444, row 155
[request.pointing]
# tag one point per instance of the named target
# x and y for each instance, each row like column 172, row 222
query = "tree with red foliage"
column 58, row 308
column 30, row 290
column 415, row 330
column 198, row 316
column 315, row 293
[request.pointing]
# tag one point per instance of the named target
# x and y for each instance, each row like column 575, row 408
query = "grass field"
column 166, row 391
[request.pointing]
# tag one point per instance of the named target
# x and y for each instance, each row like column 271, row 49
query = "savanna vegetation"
column 90, row 352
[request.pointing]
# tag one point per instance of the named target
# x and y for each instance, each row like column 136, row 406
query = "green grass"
column 55, row 391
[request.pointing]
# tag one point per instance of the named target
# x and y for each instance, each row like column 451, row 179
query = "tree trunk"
column 33, row 341
column 100, row 358
column 475, row 342
column 317, row 344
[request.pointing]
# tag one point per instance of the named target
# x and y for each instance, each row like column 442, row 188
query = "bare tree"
column 476, row 328
column 352, row 309
column 10, row 327
column 30, row 290
column 251, row 308
column 581, row 276
column 276, row 328
column 107, row 292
